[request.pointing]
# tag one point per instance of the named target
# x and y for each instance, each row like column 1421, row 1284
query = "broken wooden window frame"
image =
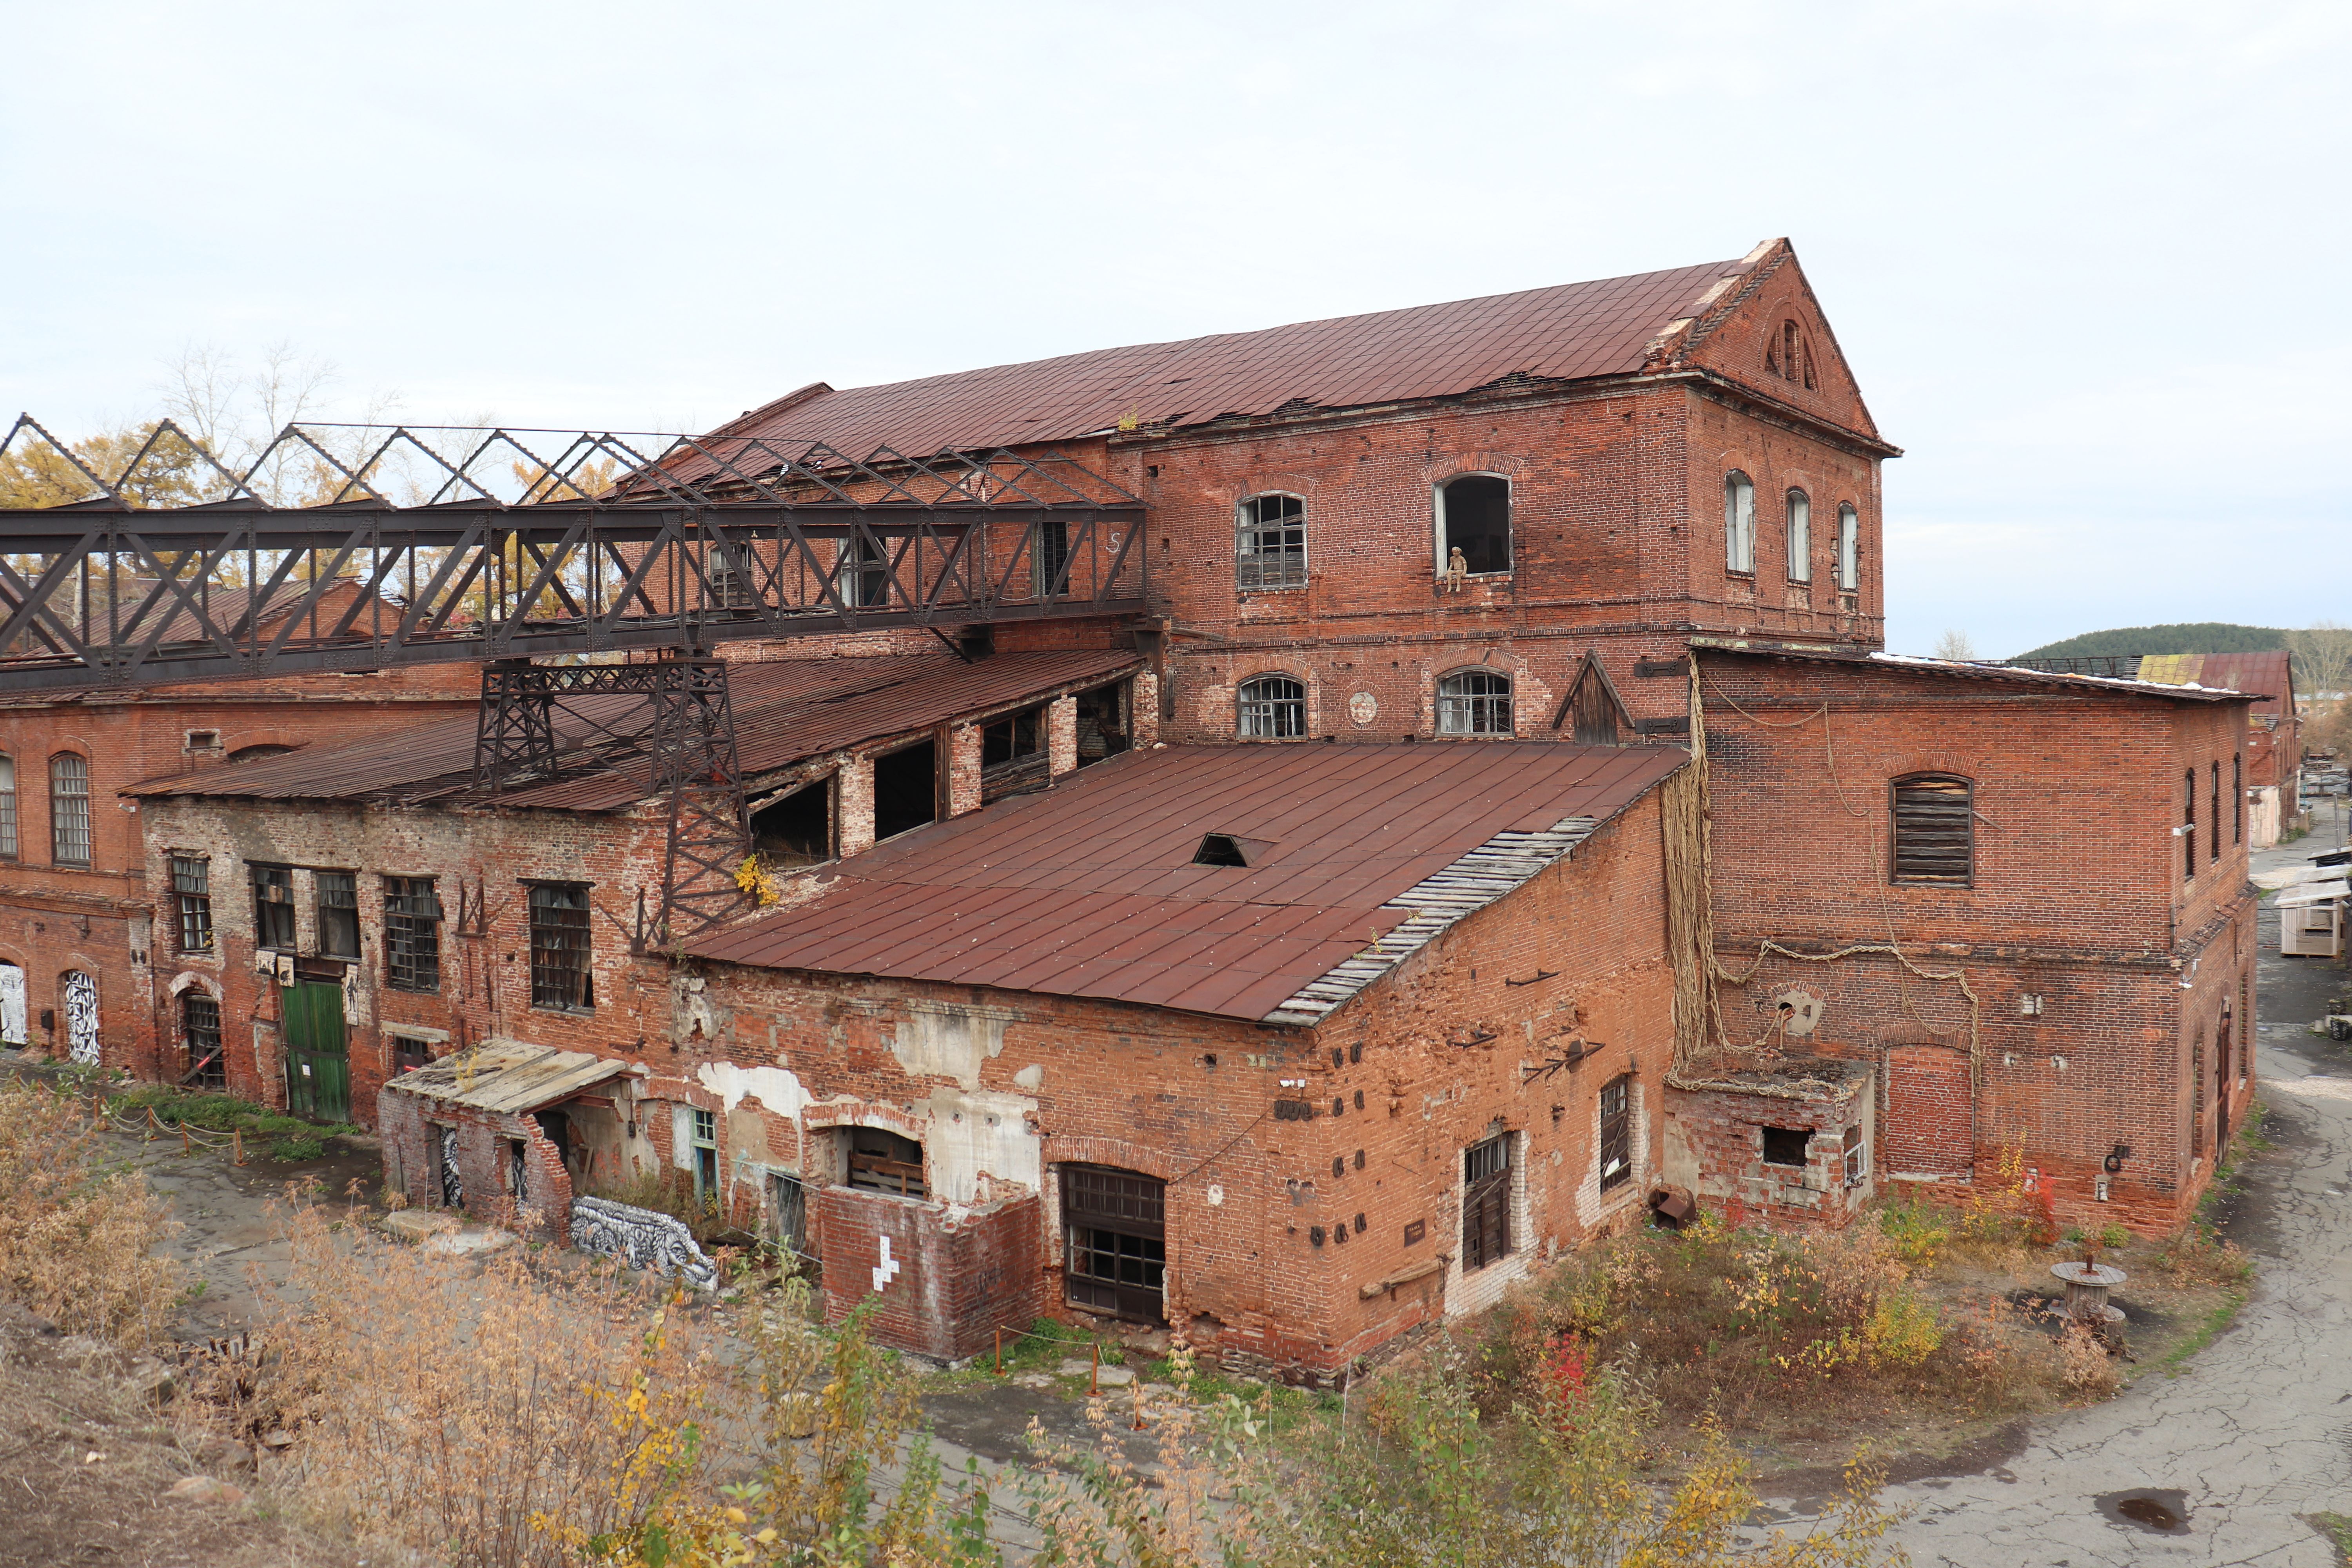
column 273, row 906
column 1270, row 542
column 1474, row 702
column 204, row 1066
column 338, row 904
column 562, row 955
column 1931, row 831
column 1271, row 707
column 69, row 825
column 412, row 934
column 1616, row 1131
column 1463, row 494
column 192, row 900
column 1115, row 1242
column 891, row 1163
column 1800, row 536
column 1738, row 524
column 1487, row 1201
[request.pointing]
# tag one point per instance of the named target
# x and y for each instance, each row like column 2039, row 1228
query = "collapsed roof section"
column 1101, row 888
column 786, row 712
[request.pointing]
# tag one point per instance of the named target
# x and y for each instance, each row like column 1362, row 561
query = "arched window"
column 69, row 809
column 1738, row 522
column 1270, row 549
column 1474, row 518
column 1474, row 702
column 1849, row 549
column 1934, row 830
column 1273, row 708
column 1788, row 355
column 7, row 808
column 1800, row 537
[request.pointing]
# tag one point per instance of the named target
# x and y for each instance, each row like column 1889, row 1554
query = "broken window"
column 200, row 1027
column 411, row 933
column 1474, row 702
column 69, row 809
column 1934, row 836
column 1013, row 754
column 1102, row 723
column 1785, row 1145
column 2213, row 851
column 560, row 947
column 705, row 1129
column 734, row 580
column 1849, row 549
column 339, row 914
column 2189, row 823
column 882, row 1161
column 452, row 1180
column 1272, row 552
column 519, row 1170
column 788, row 1213
column 1053, row 557
column 866, row 572
column 905, row 789
column 1473, row 519
column 192, row 900
column 1738, row 522
column 1616, row 1131
column 409, row 1053
column 1857, row 1156
column 1273, row 708
column 1486, row 1201
column 1116, row 1226
column 1800, row 537
column 7, row 808
column 273, row 907
column 796, row 829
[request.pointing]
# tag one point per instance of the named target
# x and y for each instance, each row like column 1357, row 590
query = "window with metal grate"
column 1934, row 830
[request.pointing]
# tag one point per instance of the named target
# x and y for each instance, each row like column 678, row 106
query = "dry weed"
column 2086, row 1367
column 75, row 1238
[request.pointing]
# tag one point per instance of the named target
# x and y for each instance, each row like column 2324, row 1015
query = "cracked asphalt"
column 2255, row 1433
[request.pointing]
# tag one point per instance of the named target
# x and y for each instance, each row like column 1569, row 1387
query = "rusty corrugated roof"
column 2266, row 672
column 786, row 711
column 1089, row 889
column 1560, row 333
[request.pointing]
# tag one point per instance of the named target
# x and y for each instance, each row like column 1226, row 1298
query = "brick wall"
column 945, row 1281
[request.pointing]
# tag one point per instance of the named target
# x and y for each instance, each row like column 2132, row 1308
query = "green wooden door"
column 317, row 1062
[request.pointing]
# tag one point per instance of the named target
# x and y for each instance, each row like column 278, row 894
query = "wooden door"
column 318, row 1059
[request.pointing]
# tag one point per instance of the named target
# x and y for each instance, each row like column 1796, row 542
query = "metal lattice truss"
column 350, row 547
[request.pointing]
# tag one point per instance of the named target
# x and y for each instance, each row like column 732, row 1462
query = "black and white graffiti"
column 648, row 1240
column 82, row 1018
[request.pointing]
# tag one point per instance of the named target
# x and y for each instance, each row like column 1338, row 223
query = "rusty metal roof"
column 1961, row 670
column 785, row 712
column 2268, row 673
column 1560, row 333
column 1089, row 889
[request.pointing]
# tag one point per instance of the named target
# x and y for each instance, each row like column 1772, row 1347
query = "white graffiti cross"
column 887, row 1269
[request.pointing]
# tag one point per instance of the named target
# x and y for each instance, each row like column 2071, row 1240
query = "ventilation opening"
column 798, row 829
column 906, row 791
column 1218, row 849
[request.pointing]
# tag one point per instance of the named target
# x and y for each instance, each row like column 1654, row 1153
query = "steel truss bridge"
column 347, row 548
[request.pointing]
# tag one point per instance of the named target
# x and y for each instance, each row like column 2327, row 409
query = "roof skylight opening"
column 1218, row 849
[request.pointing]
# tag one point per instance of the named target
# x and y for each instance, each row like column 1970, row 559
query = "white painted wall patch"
column 886, row 1270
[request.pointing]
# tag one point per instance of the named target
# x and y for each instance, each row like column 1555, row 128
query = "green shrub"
column 1917, row 1229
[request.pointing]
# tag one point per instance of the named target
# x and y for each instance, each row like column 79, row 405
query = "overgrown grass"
column 272, row 1133
column 75, row 1236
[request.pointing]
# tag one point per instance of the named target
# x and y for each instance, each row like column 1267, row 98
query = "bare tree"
column 2322, row 656
column 1955, row 645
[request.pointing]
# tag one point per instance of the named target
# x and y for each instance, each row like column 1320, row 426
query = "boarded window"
column 559, row 947
column 7, row 808
column 1273, row 708
column 1473, row 516
column 192, row 900
column 1116, row 1226
column 1785, row 1145
column 411, row 933
column 1616, row 1132
column 882, row 1161
column 1486, row 1201
column 1738, row 522
column 69, row 809
column 1934, row 836
column 1800, row 537
column 1271, row 552
column 200, row 1025
column 273, row 908
column 1474, row 702
column 339, row 914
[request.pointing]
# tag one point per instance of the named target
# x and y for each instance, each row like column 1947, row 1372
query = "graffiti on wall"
column 648, row 1240
column 82, row 1018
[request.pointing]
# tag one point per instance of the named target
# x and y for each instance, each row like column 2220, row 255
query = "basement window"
column 1474, row 518
column 882, row 1161
column 905, row 789
column 1616, row 1131
column 1785, row 1145
column 339, row 914
column 1934, row 830
column 1486, row 1201
column 1272, row 552
column 273, row 907
column 1273, row 708
column 560, row 975
column 796, row 830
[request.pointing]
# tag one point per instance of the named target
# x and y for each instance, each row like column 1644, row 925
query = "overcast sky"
column 2086, row 259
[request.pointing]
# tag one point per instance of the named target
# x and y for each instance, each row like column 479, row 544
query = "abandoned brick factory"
column 1271, row 837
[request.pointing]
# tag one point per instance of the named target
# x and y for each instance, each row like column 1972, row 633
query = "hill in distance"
column 2196, row 637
